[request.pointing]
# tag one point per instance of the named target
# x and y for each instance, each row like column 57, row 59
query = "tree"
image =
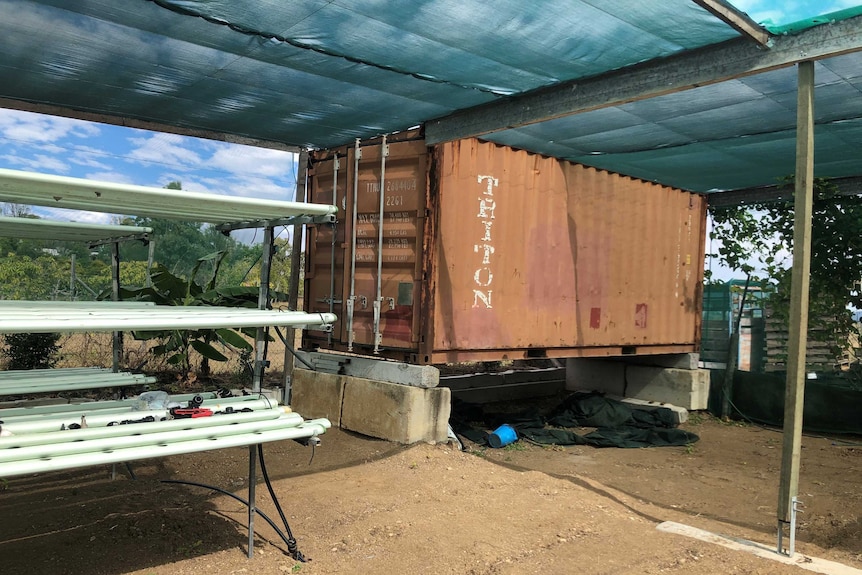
column 764, row 233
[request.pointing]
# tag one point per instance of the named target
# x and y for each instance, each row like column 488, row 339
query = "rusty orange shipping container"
column 490, row 253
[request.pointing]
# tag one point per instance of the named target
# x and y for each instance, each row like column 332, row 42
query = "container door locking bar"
column 351, row 335
column 378, row 335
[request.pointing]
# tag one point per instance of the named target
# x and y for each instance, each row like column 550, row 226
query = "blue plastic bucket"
column 502, row 436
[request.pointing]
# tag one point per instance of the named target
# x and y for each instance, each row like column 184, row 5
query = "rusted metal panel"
column 495, row 253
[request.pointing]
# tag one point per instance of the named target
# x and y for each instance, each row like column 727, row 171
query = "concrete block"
column 688, row 388
column 375, row 369
column 680, row 413
column 587, row 374
column 317, row 394
column 399, row 413
column 675, row 360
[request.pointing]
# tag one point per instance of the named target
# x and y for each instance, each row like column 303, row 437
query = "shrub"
column 31, row 350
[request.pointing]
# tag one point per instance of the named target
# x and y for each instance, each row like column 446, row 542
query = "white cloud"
column 87, row 160
column 63, row 215
column 168, row 149
column 36, row 128
column 248, row 160
column 110, row 176
column 37, row 163
column 842, row 4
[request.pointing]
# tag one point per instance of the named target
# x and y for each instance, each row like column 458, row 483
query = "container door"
column 387, row 272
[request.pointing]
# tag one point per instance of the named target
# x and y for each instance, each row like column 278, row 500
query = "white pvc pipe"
column 100, row 419
column 59, row 387
column 74, row 445
column 308, row 429
column 179, row 317
column 46, row 376
column 126, row 407
column 92, row 405
column 30, row 373
column 19, row 441
column 76, row 193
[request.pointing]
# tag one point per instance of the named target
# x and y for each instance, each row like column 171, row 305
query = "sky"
column 780, row 12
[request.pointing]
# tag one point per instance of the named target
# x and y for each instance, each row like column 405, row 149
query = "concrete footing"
column 391, row 411
column 686, row 388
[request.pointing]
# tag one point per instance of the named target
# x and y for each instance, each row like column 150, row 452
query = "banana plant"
column 169, row 289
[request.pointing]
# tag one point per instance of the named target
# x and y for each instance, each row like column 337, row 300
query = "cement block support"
column 391, row 411
column 586, row 374
column 395, row 412
column 317, row 394
column 686, row 388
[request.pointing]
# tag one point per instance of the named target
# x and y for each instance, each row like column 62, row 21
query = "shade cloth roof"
column 320, row 73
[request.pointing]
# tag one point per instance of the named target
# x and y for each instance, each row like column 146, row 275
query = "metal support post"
column 263, row 303
column 259, row 367
column 295, row 264
column 795, row 386
column 72, row 277
column 252, row 484
column 335, row 165
column 151, row 252
column 117, row 336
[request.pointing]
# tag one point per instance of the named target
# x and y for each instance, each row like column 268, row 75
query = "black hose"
column 293, row 351
column 238, row 498
column 291, row 541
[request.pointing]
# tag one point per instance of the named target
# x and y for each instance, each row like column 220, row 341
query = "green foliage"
column 31, row 350
column 764, row 233
column 169, row 289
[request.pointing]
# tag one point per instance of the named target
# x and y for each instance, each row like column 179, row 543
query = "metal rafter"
column 851, row 186
column 127, row 122
column 710, row 65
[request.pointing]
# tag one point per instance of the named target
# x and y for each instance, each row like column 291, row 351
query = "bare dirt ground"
column 369, row 506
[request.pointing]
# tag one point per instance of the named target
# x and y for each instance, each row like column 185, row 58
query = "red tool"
column 180, row 413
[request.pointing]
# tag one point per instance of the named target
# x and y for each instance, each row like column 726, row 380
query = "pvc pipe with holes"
column 125, row 437
column 118, row 404
column 308, row 429
column 19, row 441
column 101, row 419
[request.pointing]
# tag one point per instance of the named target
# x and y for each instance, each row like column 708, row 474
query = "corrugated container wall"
column 491, row 253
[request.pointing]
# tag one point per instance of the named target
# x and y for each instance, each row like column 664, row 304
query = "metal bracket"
column 363, row 301
column 378, row 337
column 350, row 334
column 791, row 547
column 391, row 301
column 286, row 221
column 328, row 300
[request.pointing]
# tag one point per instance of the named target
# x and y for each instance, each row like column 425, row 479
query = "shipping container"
column 472, row 251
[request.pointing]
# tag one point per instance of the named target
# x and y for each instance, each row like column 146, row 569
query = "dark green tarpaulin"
column 617, row 424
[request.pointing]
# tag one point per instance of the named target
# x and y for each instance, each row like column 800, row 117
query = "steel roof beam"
column 737, row 20
column 710, row 65
column 851, row 186
column 66, row 112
